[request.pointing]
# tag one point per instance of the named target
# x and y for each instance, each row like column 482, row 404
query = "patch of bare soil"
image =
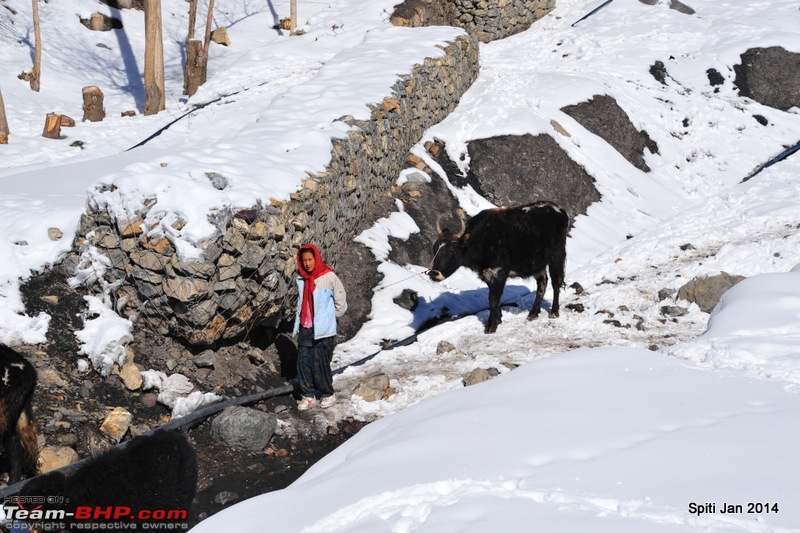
column 69, row 406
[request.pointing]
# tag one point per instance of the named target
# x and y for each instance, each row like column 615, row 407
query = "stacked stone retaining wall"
column 247, row 273
column 488, row 20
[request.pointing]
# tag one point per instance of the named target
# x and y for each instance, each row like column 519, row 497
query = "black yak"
column 506, row 242
column 17, row 430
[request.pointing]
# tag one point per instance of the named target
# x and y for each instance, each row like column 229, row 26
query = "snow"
column 591, row 425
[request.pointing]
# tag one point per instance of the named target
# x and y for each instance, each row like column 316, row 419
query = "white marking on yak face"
column 6, row 377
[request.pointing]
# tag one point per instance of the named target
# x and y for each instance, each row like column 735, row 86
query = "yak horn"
column 439, row 225
column 439, row 230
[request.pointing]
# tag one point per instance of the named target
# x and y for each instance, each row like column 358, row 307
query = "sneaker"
column 306, row 403
column 327, row 401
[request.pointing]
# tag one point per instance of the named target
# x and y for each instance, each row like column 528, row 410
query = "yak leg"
column 541, row 286
column 496, row 286
column 556, row 268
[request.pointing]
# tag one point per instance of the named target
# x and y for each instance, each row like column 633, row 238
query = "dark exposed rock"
column 435, row 199
column 520, row 169
column 665, row 294
column 714, row 77
column 659, row 72
column 243, row 427
column 680, row 7
column 770, row 76
column 673, row 310
column 605, row 118
column 408, row 299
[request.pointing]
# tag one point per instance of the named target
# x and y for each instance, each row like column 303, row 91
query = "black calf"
column 17, row 431
column 151, row 472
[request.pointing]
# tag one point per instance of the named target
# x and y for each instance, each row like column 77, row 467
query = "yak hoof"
column 553, row 314
column 490, row 328
column 533, row 316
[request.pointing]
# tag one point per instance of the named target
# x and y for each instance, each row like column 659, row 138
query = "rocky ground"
column 70, row 406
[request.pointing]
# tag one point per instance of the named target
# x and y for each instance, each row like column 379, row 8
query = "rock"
column 770, row 76
column 49, row 377
column 149, row 400
column 186, row 289
column 218, row 181
column 206, row 359
column 605, row 118
column 130, row 375
column 116, row 423
column 51, row 299
column 54, row 457
column 673, row 310
column 54, row 234
column 706, row 292
column 444, row 347
column 220, row 36
column 408, row 299
column 225, row 497
column 373, row 388
column 480, row 375
column 680, row 7
column 659, row 72
column 148, row 259
column 665, row 294
column 520, row 169
column 243, row 427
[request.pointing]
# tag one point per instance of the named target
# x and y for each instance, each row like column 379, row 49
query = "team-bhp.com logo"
column 48, row 513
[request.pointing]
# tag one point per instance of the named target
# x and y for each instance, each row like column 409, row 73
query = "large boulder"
column 243, row 427
column 520, row 169
column 605, row 118
column 770, row 76
column 707, row 291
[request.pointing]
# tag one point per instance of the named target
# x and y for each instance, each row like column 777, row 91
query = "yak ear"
column 465, row 237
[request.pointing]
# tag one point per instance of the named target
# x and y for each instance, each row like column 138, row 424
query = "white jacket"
column 330, row 302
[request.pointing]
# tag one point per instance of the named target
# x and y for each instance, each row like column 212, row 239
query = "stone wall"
column 488, row 20
column 248, row 272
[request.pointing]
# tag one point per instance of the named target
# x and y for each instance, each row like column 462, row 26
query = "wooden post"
column 3, row 121
column 37, row 49
column 293, row 15
column 153, row 58
column 93, row 104
column 52, row 126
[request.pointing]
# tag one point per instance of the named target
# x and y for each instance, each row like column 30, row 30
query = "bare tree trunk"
column 293, row 15
column 196, row 72
column 196, row 67
column 3, row 122
column 209, row 21
column 192, row 19
column 37, row 48
column 153, row 58
column 193, row 72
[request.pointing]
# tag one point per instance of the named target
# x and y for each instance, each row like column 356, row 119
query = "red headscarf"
column 320, row 268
